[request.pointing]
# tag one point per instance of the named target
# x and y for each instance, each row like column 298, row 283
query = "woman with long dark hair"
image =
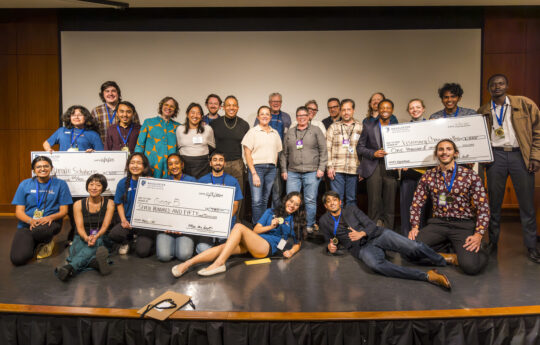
column 136, row 166
column 41, row 202
column 269, row 235
column 195, row 141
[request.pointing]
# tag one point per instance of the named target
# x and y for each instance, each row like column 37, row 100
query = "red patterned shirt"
column 468, row 194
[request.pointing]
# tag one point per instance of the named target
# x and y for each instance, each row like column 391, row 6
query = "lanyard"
column 336, row 223
column 121, row 136
column 223, row 178
column 454, row 115
column 348, row 133
column 73, row 141
column 449, row 187
column 111, row 119
column 40, row 200
column 500, row 118
column 296, row 133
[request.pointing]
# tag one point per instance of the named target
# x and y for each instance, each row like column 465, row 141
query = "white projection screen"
column 301, row 65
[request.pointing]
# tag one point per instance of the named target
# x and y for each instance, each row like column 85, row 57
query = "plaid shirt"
column 470, row 200
column 340, row 157
column 101, row 115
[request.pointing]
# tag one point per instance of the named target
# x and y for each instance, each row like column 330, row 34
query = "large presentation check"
column 411, row 144
column 76, row 167
column 186, row 207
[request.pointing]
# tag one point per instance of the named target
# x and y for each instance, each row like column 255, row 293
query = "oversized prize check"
column 76, row 167
column 186, row 207
column 412, row 144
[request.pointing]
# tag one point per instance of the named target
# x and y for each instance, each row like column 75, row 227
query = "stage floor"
column 309, row 282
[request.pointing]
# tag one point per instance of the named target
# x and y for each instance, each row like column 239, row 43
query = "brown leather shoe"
column 450, row 259
column 439, row 279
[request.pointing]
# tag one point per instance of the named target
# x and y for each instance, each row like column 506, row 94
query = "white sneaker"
column 124, row 249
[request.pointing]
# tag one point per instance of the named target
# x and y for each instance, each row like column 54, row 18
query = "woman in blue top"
column 136, row 166
column 171, row 244
column 41, row 202
column 80, row 132
column 269, row 235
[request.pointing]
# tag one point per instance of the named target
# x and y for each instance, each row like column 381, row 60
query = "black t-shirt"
column 228, row 134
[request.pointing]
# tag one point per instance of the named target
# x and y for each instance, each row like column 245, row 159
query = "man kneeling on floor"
column 460, row 210
column 351, row 229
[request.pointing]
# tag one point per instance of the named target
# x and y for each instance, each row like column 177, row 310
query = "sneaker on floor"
column 309, row 230
column 45, row 250
column 124, row 249
column 315, row 227
column 64, row 272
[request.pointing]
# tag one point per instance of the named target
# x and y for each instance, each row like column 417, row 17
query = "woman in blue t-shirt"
column 136, row 166
column 41, row 202
column 80, row 132
column 269, row 235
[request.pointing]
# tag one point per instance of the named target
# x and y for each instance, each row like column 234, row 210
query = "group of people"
column 287, row 160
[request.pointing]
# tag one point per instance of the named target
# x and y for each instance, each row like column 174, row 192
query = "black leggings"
column 145, row 239
column 26, row 240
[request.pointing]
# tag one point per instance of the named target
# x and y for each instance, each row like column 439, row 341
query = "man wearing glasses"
column 333, row 110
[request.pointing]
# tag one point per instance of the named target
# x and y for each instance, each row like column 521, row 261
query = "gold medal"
column 38, row 214
column 73, row 149
column 280, row 220
column 335, row 241
column 125, row 149
column 499, row 132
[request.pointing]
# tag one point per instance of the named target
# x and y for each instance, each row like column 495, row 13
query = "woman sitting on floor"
column 41, row 202
column 93, row 216
column 137, row 165
column 269, row 235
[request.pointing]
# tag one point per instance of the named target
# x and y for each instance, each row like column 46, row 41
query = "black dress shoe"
column 534, row 256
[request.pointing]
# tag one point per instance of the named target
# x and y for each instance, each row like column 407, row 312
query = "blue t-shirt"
column 119, row 196
column 226, row 180
column 58, row 195
column 87, row 140
column 273, row 236
column 184, row 177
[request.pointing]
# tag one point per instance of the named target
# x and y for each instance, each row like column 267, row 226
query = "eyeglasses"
column 313, row 109
column 169, row 106
column 334, row 107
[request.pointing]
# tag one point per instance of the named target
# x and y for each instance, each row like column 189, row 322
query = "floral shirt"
column 467, row 199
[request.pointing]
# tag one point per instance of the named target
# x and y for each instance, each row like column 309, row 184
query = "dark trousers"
column 372, row 254
column 26, row 240
column 237, row 169
column 407, row 187
column 381, row 190
column 504, row 164
column 145, row 243
column 440, row 231
column 278, row 188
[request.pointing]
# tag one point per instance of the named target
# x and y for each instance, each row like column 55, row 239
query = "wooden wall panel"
column 510, row 64
column 30, row 140
column 9, row 172
column 8, row 92
column 37, row 33
column 8, row 38
column 532, row 79
column 38, row 91
column 504, row 34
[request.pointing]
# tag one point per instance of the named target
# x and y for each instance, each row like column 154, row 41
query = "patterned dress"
column 157, row 140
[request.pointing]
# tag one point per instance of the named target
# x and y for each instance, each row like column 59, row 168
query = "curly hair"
column 299, row 216
column 454, row 88
column 166, row 99
column 90, row 122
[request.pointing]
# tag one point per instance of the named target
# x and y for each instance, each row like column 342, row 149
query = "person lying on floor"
column 270, row 234
column 93, row 216
column 460, row 210
column 351, row 229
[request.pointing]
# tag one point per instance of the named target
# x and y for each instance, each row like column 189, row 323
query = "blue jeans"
column 345, row 186
column 169, row 246
column 309, row 182
column 372, row 254
column 260, row 195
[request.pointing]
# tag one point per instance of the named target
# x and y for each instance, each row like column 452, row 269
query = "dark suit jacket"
column 354, row 218
column 369, row 142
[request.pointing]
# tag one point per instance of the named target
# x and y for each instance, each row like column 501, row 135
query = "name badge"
column 442, row 200
column 356, row 136
column 346, row 143
column 351, row 149
column 281, row 244
column 38, row 214
column 73, row 149
column 299, row 144
column 93, row 232
column 197, row 139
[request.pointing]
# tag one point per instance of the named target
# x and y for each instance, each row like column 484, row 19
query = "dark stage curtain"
column 49, row 330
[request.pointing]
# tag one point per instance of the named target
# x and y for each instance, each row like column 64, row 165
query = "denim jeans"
column 169, row 246
column 345, row 186
column 372, row 254
column 260, row 195
column 309, row 183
